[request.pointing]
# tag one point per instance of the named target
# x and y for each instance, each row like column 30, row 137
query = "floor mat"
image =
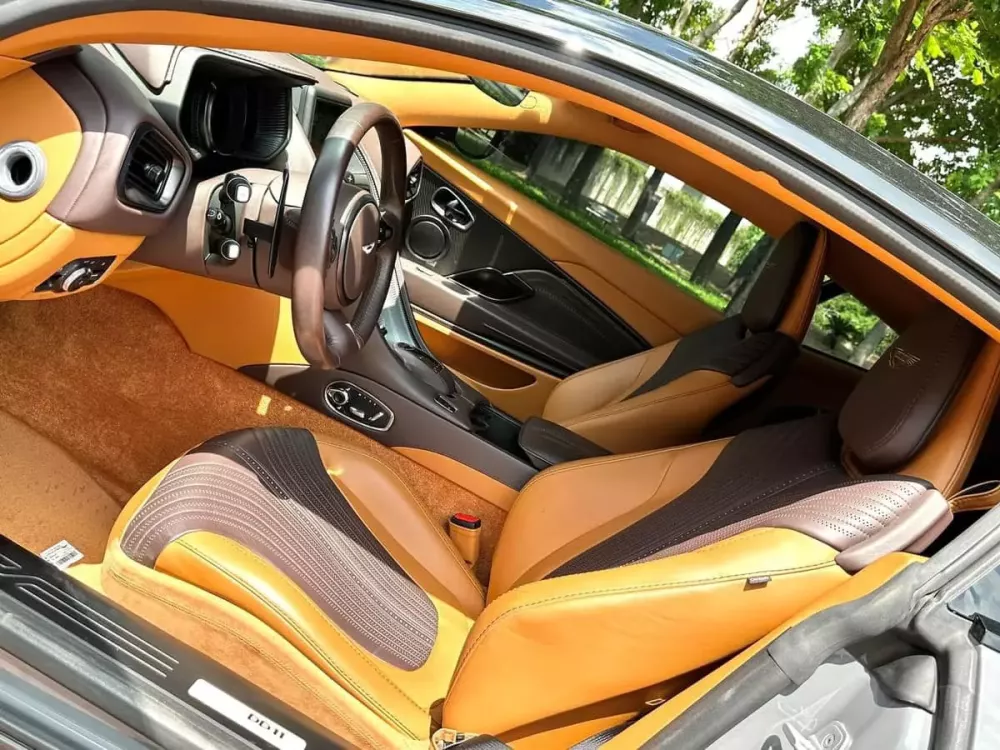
column 107, row 377
column 45, row 497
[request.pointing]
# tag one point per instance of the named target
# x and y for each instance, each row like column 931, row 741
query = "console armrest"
column 547, row 444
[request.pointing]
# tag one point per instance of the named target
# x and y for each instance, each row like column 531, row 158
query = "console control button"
column 445, row 403
column 236, row 189
column 357, row 406
column 229, row 250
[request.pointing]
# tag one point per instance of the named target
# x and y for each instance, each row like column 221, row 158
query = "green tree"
column 883, row 47
column 707, row 34
column 751, row 50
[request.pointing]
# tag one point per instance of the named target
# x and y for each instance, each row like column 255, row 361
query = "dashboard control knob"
column 218, row 220
column 236, row 189
column 75, row 279
column 339, row 396
column 229, row 250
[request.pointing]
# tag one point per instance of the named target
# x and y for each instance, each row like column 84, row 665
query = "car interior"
column 433, row 406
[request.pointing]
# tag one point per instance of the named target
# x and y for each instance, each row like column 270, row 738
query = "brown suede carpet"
column 107, row 377
column 45, row 497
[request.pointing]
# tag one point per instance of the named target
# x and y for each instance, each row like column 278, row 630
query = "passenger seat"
column 667, row 395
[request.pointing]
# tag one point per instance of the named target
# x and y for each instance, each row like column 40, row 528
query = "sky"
column 789, row 41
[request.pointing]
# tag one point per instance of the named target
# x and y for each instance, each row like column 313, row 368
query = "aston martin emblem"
column 899, row 358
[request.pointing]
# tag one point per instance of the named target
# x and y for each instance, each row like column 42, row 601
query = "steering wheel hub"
column 355, row 260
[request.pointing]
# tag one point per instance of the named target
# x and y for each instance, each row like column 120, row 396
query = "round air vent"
column 22, row 170
column 427, row 238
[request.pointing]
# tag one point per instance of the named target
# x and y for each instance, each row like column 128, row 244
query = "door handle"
column 491, row 284
column 452, row 209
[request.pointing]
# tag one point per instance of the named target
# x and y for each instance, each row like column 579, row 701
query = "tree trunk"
column 739, row 285
column 750, row 31
column 715, row 27
column 643, row 207
column 981, row 198
column 703, row 271
column 844, row 45
column 869, row 344
column 538, row 157
column 682, row 17
column 847, row 100
column 581, row 173
column 901, row 45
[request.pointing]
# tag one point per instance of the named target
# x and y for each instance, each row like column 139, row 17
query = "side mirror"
column 509, row 96
column 474, row 143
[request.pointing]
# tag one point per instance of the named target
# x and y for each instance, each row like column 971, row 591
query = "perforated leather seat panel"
column 268, row 490
column 745, row 481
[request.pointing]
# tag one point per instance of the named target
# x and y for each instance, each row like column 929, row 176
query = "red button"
column 466, row 520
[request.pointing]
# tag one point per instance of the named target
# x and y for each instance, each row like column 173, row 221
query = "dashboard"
column 126, row 151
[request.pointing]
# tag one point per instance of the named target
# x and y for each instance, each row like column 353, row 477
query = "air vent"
column 151, row 172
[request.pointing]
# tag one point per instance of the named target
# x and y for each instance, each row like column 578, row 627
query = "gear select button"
column 357, row 406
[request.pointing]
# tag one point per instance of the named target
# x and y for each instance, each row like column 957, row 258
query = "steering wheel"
column 346, row 246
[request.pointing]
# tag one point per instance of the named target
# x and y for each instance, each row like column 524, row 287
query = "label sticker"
column 239, row 712
column 62, row 555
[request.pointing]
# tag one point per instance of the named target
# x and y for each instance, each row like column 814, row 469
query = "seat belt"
column 464, row 530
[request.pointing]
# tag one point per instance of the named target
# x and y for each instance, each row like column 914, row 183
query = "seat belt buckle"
column 464, row 530
column 445, row 738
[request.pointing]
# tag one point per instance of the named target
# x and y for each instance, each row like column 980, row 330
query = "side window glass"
column 845, row 328
column 650, row 217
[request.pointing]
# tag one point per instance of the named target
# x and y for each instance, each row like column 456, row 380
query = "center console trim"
column 414, row 426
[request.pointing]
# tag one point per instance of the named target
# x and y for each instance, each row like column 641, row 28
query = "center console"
column 396, row 392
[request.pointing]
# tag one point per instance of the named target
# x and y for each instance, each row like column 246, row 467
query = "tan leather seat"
column 311, row 570
column 667, row 395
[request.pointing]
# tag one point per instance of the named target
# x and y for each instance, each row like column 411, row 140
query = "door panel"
column 516, row 388
column 465, row 267
column 650, row 305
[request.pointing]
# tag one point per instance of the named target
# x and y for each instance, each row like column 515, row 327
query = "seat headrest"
column 895, row 406
column 772, row 291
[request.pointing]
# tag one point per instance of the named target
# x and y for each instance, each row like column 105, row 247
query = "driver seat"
column 310, row 569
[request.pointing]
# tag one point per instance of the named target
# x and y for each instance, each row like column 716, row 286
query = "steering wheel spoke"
column 346, row 245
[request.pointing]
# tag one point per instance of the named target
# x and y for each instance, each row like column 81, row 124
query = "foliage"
column 590, row 225
column 917, row 76
column 743, row 241
column 844, row 317
column 318, row 61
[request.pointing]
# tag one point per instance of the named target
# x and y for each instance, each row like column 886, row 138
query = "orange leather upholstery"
column 601, row 403
column 585, row 638
column 213, row 564
column 616, row 579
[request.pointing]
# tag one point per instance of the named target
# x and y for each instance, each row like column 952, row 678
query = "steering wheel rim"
column 366, row 245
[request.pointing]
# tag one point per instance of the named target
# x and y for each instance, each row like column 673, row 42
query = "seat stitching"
column 259, row 649
column 579, row 596
column 632, row 407
column 449, row 545
column 305, row 636
column 519, row 580
column 809, row 310
column 908, row 407
column 983, row 410
column 605, row 461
